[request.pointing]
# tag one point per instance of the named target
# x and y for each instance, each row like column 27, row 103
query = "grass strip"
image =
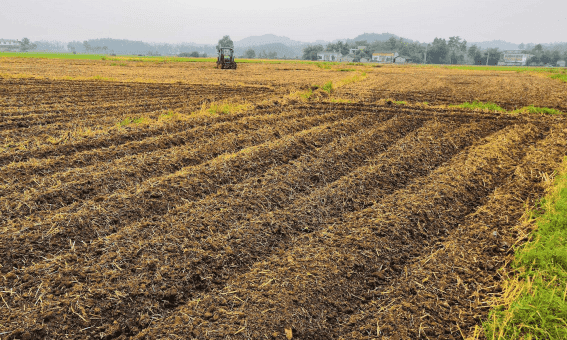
column 535, row 109
column 483, row 106
column 533, row 305
column 492, row 107
column 562, row 77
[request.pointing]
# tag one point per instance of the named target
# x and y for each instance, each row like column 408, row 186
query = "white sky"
column 206, row 22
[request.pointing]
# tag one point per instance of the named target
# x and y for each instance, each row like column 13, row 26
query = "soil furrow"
column 122, row 167
column 113, row 138
column 465, row 263
column 92, row 219
column 312, row 170
column 327, row 275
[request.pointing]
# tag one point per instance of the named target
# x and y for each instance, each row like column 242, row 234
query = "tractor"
column 226, row 58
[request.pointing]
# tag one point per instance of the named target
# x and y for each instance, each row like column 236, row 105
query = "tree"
column 521, row 46
column 457, row 48
column 437, row 53
column 225, row 42
column 87, row 46
column 272, row 55
column 392, row 43
column 310, row 52
column 250, row 54
column 475, row 55
column 194, row 54
column 26, row 45
column 338, row 47
column 555, row 56
column 492, row 55
column 71, row 47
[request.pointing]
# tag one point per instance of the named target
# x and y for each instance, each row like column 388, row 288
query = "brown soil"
column 441, row 86
column 313, row 220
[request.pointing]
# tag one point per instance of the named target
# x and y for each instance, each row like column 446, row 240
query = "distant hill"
column 500, row 44
column 267, row 39
column 281, row 49
column 372, row 37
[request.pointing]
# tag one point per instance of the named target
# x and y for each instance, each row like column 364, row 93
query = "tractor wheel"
column 234, row 66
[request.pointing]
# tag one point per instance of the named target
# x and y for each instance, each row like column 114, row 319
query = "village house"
column 354, row 50
column 9, row 44
column 560, row 63
column 384, row 57
column 402, row 60
column 515, row 58
column 348, row 58
column 328, row 56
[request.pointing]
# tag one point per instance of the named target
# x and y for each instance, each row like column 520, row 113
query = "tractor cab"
column 225, row 58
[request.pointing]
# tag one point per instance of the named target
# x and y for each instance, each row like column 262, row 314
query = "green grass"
column 495, row 107
column 346, row 69
column 325, row 66
column 128, row 121
column 560, row 76
column 328, row 87
column 52, row 55
column 401, row 102
column 543, row 110
column 161, row 59
column 480, row 105
column 534, row 300
column 227, row 108
column 307, row 94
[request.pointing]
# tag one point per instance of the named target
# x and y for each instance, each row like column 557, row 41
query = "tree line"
column 440, row 51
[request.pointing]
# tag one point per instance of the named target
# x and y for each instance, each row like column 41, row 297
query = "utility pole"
column 425, row 55
column 487, row 58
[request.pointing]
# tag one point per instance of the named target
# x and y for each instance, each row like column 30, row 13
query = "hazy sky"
column 304, row 20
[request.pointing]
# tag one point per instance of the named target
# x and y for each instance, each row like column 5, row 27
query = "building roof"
column 384, row 53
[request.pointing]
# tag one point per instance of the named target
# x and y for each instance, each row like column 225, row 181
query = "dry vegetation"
column 143, row 208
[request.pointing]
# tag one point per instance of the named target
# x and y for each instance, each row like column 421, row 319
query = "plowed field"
column 291, row 219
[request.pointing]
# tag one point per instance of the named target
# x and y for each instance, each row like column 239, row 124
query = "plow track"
column 80, row 109
column 325, row 220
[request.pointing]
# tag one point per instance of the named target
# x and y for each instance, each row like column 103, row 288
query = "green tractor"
column 225, row 59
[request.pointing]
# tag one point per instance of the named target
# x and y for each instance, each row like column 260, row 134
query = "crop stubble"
column 327, row 220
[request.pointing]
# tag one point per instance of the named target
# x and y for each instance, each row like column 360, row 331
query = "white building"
column 560, row 63
column 515, row 58
column 329, row 56
column 354, row 50
column 9, row 44
column 401, row 60
column 384, row 57
column 348, row 58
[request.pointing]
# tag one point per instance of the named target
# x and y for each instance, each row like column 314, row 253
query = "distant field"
column 134, row 58
column 52, row 55
column 558, row 71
